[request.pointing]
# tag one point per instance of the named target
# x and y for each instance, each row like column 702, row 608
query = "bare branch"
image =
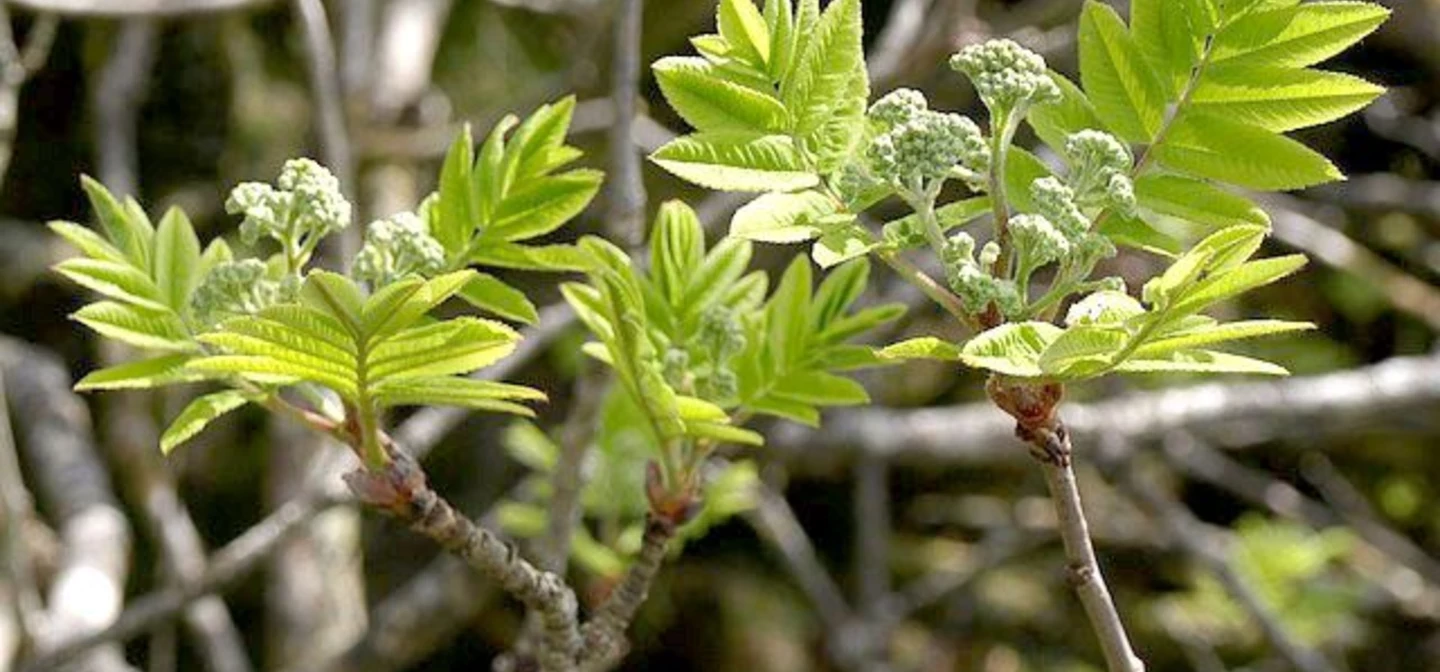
column 626, row 216
column 136, row 8
column 1053, row 451
column 71, row 482
column 17, row 65
column 324, row 72
column 227, row 566
column 16, row 508
column 405, row 54
column 1225, row 414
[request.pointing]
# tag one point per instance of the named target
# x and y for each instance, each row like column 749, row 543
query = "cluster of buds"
column 1007, row 76
column 721, row 337
column 238, row 288
column 1057, row 203
column 974, row 281
column 304, row 206
column 395, row 247
column 915, row 145
column 1100, row 171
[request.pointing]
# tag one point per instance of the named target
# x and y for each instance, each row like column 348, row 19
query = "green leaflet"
column 842, row 244
column 1202, row 361
column 489, row 202
column 492, row 295
column 1166, row 33
column 925, row 347
column 1011, row 349
column 737, row 161
column 177, row 260
column 1054, row 122
column 700, row 94
column 145, row 373
column 1117, row 77
column 1225, row 150
column 1296, row 36
column 544, row 205
column 745, row 32
column 115, row 280
column 783, row 218
column 1196, row 201
column 1081, row 351
column 1134, row 232
column 1281, row 99
column 125, row 226
column 135, row 325
column 88, row 242
column 827, row 92
column 198, row 414
column 1217, row 334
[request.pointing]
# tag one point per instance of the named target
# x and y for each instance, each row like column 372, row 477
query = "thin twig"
column 17, row 65
column 1053, row 451
column 626, row 218
column 604, row 634
column 324, row 72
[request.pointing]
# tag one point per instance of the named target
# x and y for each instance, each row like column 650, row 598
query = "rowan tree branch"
column 604, row 635
column 1054, row 452
column 402, row 491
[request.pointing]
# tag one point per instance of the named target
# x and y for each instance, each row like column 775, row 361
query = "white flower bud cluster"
column 305, row 203
column 915, row 143
column 972, row 281
column 1056, row 203
column 1100, row 171
column 237, row 288
column 1038, row 239
column 395, row 247
column 1006, row 75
